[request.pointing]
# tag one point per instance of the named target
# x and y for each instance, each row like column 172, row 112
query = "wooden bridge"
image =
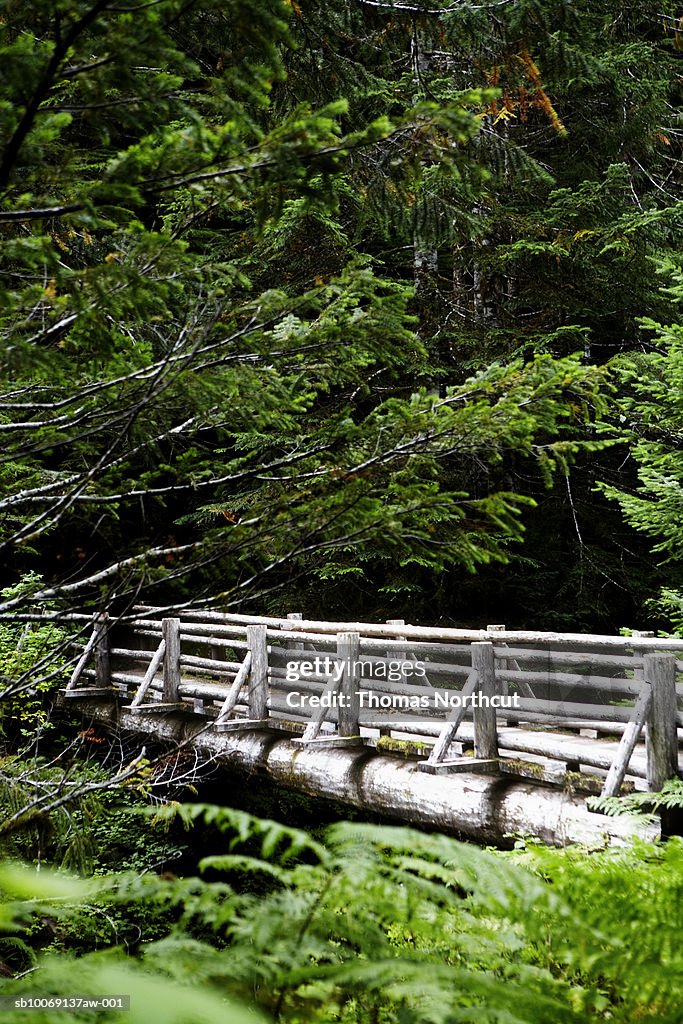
column 576, row 713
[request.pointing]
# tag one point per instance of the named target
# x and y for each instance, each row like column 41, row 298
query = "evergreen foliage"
column 34, row 662
column 322, row 303
column 650, row 420
column 374, row 923
column 190, row 383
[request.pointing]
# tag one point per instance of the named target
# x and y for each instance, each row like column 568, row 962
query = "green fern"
column 670, row 797
column 385, row 924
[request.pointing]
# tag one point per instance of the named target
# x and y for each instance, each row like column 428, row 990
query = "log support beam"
column 481, row 807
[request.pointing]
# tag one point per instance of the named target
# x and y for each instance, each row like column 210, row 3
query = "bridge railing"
column 575, row 701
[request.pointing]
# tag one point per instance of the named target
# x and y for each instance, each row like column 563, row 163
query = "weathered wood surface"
column 84, row 658
column 619, row 766
column 152, row 670
column 258, row 672
column 662, row 740
column 512, row 741
column 559, row 723
column 485, row 733
column 171, row 635
column 573, row 709
column 127, row 652
column 233, row 693
column 207, row 639
column 348, row 651
column 449, row 731
column 599, row 684
column 552, row 657
column 431, row 668
column 210, row 664
column 101, row 652
column 295, row 617
column 439, row 633
column 321, row 712
column 482, row 807
column 557, row 680
column 504, row 662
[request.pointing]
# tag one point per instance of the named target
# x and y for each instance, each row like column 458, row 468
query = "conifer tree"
column 542, row 242
column 187, row 383
column 649, row 419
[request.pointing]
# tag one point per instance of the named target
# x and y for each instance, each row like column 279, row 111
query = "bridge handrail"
column 435, row 633
column 645, row 669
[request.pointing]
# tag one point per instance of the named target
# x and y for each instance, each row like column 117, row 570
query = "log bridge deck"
column 593, row 714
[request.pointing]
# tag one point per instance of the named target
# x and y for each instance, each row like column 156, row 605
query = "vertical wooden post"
column 395, row 654
column 293, row 644
column 258, row 673
column 662, row 737
column 638, row 672
column 485, row 730
column 504, row 686
column 398, row 653
column 170, row 630
column 639, row 652
column 348, row 650
column 102, row 665
column 397, row 622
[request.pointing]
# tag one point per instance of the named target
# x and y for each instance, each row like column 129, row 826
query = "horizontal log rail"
column 407, row 632
column 622, row 694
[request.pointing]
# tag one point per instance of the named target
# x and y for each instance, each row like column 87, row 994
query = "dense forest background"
column 351, row 307
column 360, row 309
